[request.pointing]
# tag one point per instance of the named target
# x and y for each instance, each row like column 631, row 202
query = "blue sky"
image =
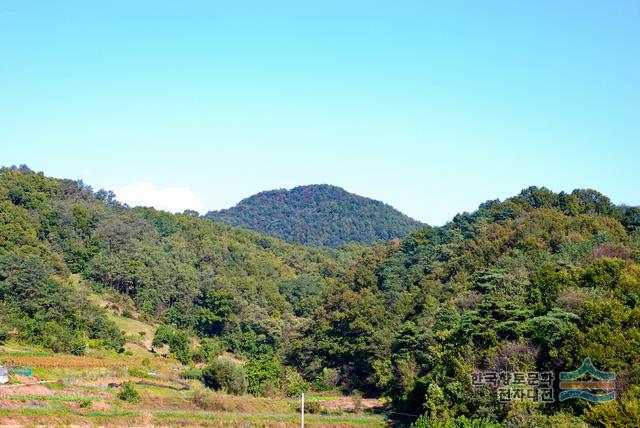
column 433, row 107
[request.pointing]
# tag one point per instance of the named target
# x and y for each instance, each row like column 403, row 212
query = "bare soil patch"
column 18, row 390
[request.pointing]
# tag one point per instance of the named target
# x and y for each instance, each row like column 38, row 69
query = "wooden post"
column 302, row 411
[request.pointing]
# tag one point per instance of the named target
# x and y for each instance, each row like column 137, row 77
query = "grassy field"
column 82, row 390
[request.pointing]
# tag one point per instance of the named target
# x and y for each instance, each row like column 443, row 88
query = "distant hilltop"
column 318, row 214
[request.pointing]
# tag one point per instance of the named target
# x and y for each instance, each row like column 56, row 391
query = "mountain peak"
column 318, row 214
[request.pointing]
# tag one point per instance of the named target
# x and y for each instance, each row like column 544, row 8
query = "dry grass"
column 60, row 361
column 215, row 401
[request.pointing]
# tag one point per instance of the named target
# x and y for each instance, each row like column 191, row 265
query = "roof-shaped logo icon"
column 587, row 383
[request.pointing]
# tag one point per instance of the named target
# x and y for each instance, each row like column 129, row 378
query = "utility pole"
column 302, row 411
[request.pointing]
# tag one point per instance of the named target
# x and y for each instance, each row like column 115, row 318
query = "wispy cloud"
column 173, row 199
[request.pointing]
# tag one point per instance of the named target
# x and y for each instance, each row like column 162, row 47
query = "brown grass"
column 59, row 361
column 206, row 399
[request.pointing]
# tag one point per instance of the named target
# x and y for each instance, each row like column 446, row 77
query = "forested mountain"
column 537, row 282
column 194, row 273
column 318, row 215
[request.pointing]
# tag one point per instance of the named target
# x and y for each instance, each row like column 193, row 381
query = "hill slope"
column 318, row 215
column 535, row 283
column 186, row 270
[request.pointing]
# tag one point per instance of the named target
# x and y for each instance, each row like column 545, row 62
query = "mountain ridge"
column 318, row 215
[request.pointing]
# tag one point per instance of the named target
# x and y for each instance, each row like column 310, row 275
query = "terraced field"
column 83, row 390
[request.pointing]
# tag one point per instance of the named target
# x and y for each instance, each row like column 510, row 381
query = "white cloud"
column 173, row 199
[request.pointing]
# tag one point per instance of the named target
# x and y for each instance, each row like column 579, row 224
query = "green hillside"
column 318, row 215
column 196, row 274
column 537, row 282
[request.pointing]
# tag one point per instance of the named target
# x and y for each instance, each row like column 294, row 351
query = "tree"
column 225, row 375
column 214, row 310
column 129, row 393
column 177, row 340
column 264, row 374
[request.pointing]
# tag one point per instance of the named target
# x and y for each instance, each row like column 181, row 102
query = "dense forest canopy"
column 318, row 215
column 539, row 281
column 242, row 285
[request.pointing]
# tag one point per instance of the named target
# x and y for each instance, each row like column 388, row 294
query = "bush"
column 205, row 399
column 225, row 375
column 294, row 385
column 191, row 374
column 53, row 335
column 212, row 348
column 460, row 422
column 133, row 372
column 177, row 340
column 356, row 399
column 209, row 350
column 264, row 375
column 216, row 401
column 624, row 412
column 327, row 380
column 84, row 403
column 312, row 407
column 4, row 335
column 129, row 393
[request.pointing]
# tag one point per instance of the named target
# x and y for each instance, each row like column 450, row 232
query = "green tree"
column 225, row 375
column 264, row 374
column 129, row 393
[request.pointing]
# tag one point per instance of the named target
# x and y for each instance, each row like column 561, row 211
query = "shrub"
column 327, row 380
column 312, row 407
column 460, row 422
column 133, row 372
column 356, row 399
column 263, row 374
column 84, row 403
column 4, row 335
column 177, row 340
column 191, row 374
column 54, row 336
column 205, row 399
column 211, row 349
column 624, row 412
column 215, row 401
column 129, row 393
column 294, row 385
column 225, row 375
